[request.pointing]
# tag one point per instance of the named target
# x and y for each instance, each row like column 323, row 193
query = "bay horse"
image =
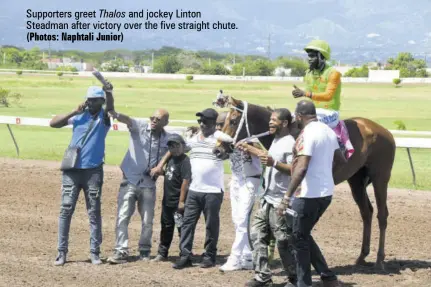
column 371, row 162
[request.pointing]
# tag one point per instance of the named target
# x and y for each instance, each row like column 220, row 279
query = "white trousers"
column 329, row 117
column 242, row 197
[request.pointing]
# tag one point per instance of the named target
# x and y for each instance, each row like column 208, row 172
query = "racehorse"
column 371, row 163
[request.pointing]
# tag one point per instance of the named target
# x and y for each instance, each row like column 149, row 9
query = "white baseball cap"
column 95, row 92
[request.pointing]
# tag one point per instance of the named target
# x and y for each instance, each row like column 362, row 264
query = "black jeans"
column 306, row 250
column 209, row 204
column 168, row 229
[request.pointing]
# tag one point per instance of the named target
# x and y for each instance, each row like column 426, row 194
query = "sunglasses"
column 204, row 121
column 156, row 119
column 173, row 145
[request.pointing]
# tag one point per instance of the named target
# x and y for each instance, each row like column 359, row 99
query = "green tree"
column 214, row 69
column 297, row 65
column 358, row 72
column 259, row 67
column 408, row 66
column 167, row 64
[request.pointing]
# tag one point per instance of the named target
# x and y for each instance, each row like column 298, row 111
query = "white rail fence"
column 401, row 142
column 373, row 79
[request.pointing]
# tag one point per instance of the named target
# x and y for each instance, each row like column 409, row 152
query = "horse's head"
column 239, row 124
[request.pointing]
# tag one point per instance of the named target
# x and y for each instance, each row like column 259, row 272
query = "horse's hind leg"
column 380, row 184
column 358, row 183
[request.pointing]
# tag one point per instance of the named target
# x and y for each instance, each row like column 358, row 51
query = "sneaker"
column 118, row 258
column 231, row 265
column 183, row 262
column 254, row 283
column 144, row 255
column 61, row 259
column 159, row 258
column 95, row 259
column 247, row 264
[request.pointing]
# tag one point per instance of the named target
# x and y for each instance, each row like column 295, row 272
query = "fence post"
column 412, row 168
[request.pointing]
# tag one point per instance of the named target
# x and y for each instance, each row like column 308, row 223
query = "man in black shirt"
column 176, row 184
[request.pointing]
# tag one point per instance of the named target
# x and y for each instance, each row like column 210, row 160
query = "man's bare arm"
column 158, row 170
column 121, row 118
column 60, row 121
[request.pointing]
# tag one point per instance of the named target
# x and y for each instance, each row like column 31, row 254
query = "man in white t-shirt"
column 205, row 191
column 315, row 150
column 245, row 181
column 267, row 223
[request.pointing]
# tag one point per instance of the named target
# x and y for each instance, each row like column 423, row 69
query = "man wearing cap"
column 205, row 192
column 177, row 177
column 147, row 145
column 314, row 152
column 91, row 124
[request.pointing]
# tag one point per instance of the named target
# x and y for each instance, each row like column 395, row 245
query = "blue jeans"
column 91, row 181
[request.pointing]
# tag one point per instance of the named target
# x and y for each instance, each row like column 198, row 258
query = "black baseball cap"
column 209, row 113
column 176, row 138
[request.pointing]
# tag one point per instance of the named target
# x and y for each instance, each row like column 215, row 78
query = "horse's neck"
column 259, row 124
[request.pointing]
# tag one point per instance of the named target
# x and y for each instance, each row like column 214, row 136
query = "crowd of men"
column 297, row 175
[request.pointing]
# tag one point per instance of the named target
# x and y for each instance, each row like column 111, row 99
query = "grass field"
column 44, row 96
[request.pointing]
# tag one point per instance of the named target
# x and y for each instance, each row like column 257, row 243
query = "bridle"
column 244, row 119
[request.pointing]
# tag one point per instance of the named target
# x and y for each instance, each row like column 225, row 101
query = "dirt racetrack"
column 29, row 208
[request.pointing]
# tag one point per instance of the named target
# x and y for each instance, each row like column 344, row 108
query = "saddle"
column 343, row 139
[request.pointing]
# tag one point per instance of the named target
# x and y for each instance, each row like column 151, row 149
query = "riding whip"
column 100, row 77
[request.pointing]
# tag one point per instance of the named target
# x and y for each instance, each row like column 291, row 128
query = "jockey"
column 323, row 87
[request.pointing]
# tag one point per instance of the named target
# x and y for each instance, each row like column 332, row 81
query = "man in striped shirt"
column 205, row 191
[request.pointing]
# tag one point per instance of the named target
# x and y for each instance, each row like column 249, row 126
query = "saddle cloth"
column 343, row 139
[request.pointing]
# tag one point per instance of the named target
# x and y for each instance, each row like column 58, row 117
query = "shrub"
column 396, row 81
column 6, row 98
column 400, row 125
column 19, row 73
column 189, row 78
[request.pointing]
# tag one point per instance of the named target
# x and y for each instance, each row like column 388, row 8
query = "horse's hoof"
column 379, row 266
column 361, row 261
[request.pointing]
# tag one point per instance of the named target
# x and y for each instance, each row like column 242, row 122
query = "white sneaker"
column 231, row 265
column 247, row 264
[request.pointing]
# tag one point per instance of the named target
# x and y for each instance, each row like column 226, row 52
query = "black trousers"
column 209, row 204
column 307, row 252
column 168, row 229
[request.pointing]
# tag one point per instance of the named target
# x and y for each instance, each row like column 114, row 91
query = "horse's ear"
column 235, row 102
column 270, row 109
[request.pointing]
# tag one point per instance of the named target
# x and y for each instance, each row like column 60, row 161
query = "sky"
column 353, row 28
